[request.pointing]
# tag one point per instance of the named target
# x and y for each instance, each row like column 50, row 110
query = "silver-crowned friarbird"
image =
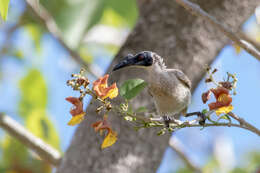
column 170, row 88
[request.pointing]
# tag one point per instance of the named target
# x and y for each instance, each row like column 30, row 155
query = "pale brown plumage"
column 181, row 76
column 170, row 88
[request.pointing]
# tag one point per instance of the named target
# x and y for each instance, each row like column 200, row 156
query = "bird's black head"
column 142, row 59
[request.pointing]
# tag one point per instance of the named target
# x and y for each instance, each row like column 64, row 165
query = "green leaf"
column 132, row 88
column 19, row 54
column 113, row 49
column 211, row 166
column 13, row 151
column 4, row 8
column 75, row 18
column 85, row 54
column 127, row 9
column 36, row 34
column 33, row 93
column 184, row 170
column 112, row 18
column 204, row 111
column 239, row 170
column 17, row 158
column 39, row 124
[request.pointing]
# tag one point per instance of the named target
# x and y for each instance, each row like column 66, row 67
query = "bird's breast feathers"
column 170, row 96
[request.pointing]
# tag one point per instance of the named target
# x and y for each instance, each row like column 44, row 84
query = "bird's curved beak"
column 129, row 60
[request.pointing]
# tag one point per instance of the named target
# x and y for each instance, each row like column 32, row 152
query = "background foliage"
column 23, row 42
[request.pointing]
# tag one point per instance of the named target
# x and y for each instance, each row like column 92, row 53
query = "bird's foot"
column 201, row 115
column 167, row 120
column 202, row 118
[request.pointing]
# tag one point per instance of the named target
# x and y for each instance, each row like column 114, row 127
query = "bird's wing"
column 181, row 76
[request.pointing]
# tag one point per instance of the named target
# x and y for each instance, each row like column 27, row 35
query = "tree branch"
column 47, row 20
column 45, row 151
column 244, row 123
column 216, row 125
column 174, row 124
column 174, row 143
column 197, row 11
column 245, row 36
column 177, row 124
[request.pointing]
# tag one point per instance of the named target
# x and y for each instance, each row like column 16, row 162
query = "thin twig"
column 216, row 125
column 174, row 143
column 244, row 123
column 177, row 124
column 45, row 151
column 47, row 20
column 196, row 10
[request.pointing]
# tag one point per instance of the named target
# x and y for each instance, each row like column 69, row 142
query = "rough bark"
column 186, row 42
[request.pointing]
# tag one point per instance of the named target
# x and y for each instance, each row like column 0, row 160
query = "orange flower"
column 76, row 111
column 111, row 136
column 101, row 125
column 222, row 96
column 223, row 100
column 102, row 90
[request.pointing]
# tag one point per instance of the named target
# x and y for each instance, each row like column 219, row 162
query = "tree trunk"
column 186, row 42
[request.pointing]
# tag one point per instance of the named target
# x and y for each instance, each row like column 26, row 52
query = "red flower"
column 223, row 100
column 78, row 105
column 76, row 111
column 206, row 96
column 101, row 125
column 222, row 96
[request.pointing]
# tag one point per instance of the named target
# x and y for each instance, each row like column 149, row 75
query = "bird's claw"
column 167, row 121
column 202, row 118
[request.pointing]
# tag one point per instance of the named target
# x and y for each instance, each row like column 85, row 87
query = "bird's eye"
column 140, row 57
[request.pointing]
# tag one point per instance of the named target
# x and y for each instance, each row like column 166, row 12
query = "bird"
column 169, row 88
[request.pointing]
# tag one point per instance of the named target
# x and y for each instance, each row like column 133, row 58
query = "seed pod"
column 109, row 106
column 82, row 70
column 214, row 71
column 81, row 81
column 226, row 84
column 208, row 80
column 208, row 68
column 99, row 109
